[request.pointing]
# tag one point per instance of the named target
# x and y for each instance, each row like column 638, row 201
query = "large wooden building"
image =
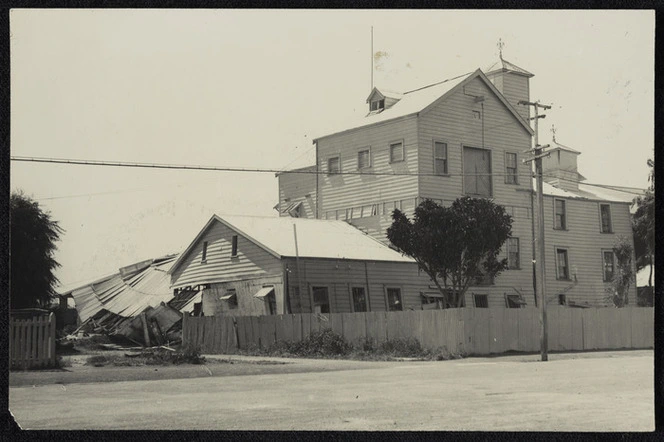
column 462, row 136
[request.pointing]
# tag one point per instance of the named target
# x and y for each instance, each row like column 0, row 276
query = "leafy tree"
column 33, row 235
column 453, row 245
column 643, row 226
column 623, row 274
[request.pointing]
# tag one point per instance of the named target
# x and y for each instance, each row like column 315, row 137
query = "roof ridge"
column 440, row 82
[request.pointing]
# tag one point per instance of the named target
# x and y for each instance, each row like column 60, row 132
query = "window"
column 377, row 105
column 394, row 300
column 234, row 246
column 359, row 299
column 363, row 159
column 513, row 253
column 396, row 152
column 333, row 166
column 511, row 172
column 231, row 299
column 561, row 215
column 609, row 268
column 477, row 171
column 321, row 300
column 514, row 301
column 562, row 299
column 440, row 158
column 204, row 257
column 481, row 301
column 562, row 264
column 605, row 215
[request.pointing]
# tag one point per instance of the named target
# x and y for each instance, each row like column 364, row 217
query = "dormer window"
column 377, row 105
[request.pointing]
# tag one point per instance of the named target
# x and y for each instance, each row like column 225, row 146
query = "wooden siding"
column 341, row 275
column 455, row 331
column 584, row 243
column 252, row 260
column 247, row 304
column 452, row 122
column 515, row 88
column 295, row 187
column 345, row 191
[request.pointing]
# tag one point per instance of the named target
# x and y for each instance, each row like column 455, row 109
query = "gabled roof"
column 315, row 238
column 505, row 66
column 384, row 93
column 424, row 98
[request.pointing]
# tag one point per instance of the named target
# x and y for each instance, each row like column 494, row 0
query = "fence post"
column 184, row 328
column 51, row 338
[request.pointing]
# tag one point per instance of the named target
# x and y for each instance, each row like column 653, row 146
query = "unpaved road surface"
column 611, row 391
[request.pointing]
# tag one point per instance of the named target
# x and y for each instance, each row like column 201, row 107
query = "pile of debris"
column 136, row 304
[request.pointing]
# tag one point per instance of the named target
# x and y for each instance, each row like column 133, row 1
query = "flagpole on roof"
column 372, row 57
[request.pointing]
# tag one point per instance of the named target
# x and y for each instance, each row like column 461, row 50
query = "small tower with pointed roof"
column 512, row 81
column 560, row 167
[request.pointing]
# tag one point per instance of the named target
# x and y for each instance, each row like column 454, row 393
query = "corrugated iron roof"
column 316, row 238
column 504, row 65
column 593, row 192
column 146, row 288
column 418, row 100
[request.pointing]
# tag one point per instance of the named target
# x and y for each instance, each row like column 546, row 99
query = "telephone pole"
column 541, row 276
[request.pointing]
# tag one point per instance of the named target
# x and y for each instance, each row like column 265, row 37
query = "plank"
column 354, row 326
column 511, row 329
column 376, row 326
column 336, row 323
column 305, row 319
column 576, row 329
column 553, row 323
column 41, row 360
column 297, row 328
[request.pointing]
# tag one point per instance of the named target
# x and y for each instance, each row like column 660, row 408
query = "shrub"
column 324, row 343
column 97, row 361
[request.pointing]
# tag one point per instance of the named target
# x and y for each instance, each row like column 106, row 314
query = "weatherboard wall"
column 584, row 243
column 296, row 188
column 219, row 266
column 340, row 191
column 455, row 122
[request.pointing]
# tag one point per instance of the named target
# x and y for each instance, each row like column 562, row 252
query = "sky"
column 253, row 88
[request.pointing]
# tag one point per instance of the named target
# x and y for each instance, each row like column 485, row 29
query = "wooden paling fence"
column 465, row 331
column 32, row 341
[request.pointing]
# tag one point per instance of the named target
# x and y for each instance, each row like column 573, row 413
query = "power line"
column 235, row 169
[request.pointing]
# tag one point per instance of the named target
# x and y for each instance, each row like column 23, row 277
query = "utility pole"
column 541, row 276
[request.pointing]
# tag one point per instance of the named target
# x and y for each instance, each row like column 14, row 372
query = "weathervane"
column 500, row 45
column 553, row 132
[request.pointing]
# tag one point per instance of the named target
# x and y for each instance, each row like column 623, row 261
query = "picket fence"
column 32, row 342
column 464, row 331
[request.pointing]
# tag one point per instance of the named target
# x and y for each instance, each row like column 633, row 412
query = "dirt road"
column 590, row 392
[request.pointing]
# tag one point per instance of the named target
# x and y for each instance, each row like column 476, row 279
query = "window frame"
column 352, row 298
column 387, row 297
column 515, row 175
column 567, row 263
column 234, row 246
column 362, row 150
column 232, row 305
column 447, row 156
column 565, row 224
column 613, row 265
column 601, row 220
column 509, row 297
column 518, row 254
column 403, row 151
column 204, row 254
column 486, row 298
column 463, row 172
column 338, row 158
column 329, row 298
